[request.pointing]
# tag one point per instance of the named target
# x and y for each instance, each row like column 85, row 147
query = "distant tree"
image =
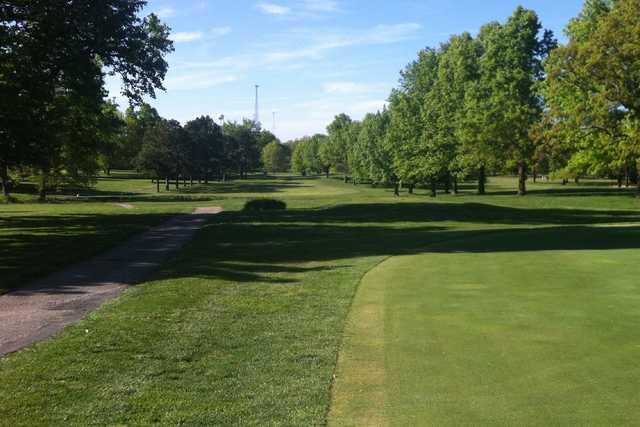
column 155, row 155
column 335, row 152
column 206, row 152
column 371, row 160
column 276, row 157
column 110, row 134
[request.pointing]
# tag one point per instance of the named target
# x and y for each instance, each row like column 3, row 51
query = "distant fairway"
column 523, row 328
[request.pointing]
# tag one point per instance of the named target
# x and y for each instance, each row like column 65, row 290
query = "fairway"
column 508, row 329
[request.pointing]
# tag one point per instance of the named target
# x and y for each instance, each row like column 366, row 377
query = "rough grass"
column 245, row 326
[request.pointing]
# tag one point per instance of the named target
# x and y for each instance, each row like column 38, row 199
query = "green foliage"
column 592, row 98
column 335, row 153
column 64, row 46
column 276, row 157
column 370, row 158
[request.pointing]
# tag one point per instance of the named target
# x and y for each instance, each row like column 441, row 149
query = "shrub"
column 264, row 205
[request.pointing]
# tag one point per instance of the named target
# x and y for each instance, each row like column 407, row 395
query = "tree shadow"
column 440, row 212
column 243, row 187
column 579, row 191
column 246, row 247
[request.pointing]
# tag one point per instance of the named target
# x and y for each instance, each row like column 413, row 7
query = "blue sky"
column 312, row 58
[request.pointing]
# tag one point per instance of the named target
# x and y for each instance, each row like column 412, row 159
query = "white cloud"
column 220, row 31
column 352, row 88
column 198, row 81
column 380, row 34
column 166, row 12
column 273, row 9
column 186, row 37
column 321, row 6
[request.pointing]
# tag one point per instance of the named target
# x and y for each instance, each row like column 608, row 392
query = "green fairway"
column 523, row 328
column 246, row 325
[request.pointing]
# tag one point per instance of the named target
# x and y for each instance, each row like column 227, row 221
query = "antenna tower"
column 256, row 116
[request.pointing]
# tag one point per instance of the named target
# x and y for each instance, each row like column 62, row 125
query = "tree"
column 276, row 157
column 593, row 98
column 155, row 153
column 206, row 152
column 450, row 146
column 371, row 159
column 335, row 152
column 405, row 135
column 52, row 55
column 504, row 104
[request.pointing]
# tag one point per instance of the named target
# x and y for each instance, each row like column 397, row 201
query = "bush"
column 264, row 205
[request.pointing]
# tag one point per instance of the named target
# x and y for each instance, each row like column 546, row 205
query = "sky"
column 313, row 59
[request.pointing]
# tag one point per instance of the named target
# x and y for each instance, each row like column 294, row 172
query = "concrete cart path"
column 45, row 307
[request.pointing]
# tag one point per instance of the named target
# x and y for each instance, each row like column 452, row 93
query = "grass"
column 245, row 326
column 518, row 328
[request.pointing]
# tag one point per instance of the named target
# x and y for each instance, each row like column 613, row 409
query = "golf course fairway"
column 514, row 329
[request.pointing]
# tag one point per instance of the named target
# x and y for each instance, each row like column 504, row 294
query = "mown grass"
column 244, row 328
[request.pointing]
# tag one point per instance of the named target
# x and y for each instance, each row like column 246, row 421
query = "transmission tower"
column 256, row 116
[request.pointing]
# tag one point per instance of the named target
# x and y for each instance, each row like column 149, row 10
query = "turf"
column 245, row 326
column 519, row 328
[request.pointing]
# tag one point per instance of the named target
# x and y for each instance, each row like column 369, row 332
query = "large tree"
column 593, row 90
column 405, row 138
column 52, row 57
column 506, row 103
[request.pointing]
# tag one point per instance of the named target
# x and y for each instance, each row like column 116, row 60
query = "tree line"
column 200, row 150
column 509, row 100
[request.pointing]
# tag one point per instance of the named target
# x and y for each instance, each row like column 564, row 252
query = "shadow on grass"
column 261, row 247
column 247, row 248
column 573, row 191
column 33, row 246
column 244, row 187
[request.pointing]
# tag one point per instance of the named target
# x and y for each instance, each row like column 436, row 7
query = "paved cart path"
column 45, row 307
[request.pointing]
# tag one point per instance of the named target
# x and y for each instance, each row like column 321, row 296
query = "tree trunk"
column 619, row 181
column 326, row 172
column 482, row 180
column 434, row 188
column 396, row 189
column 535, row 175
column 192, row 180
column 166, row 183
column 577, row 180
column 42, row 191
column 177, row 182
column 565, row 181
column 455, row 185
column 522, row 179
column 411, row 187
column 158, row 185
column 447, row 184
column 4, row 176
